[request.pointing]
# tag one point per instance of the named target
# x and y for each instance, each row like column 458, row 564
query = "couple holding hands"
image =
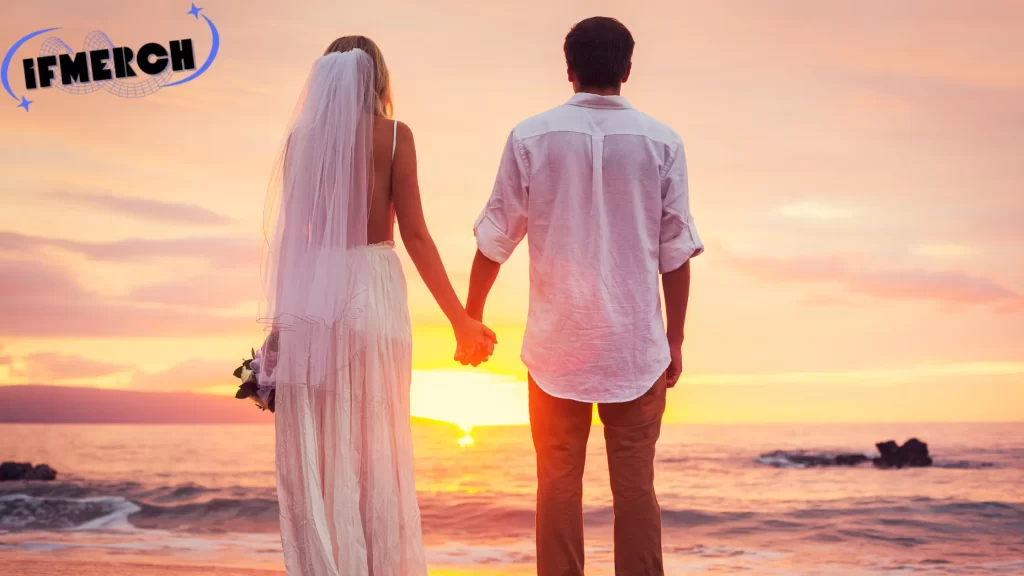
column 598, row 189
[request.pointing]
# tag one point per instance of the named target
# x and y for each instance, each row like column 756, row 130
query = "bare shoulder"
column 405, row 147
column 403, row 132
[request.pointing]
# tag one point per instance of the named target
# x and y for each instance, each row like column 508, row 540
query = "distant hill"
column 78, row 405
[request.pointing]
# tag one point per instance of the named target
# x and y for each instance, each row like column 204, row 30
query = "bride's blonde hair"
column 382, row 81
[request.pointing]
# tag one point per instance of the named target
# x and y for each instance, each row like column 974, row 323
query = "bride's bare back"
column 396, row 193
column 396, row 189
column 381, row 224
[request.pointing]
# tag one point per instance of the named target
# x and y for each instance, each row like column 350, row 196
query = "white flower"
column 264, row 394
column 246, row 374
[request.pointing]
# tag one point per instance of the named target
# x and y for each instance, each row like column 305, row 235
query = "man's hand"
column 475, row 342
column 677, row 296
column 675, row 368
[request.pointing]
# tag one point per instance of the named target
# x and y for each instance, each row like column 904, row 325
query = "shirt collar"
column 588, row 100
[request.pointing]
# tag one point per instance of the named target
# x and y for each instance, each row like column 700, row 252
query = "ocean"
column 204, row 496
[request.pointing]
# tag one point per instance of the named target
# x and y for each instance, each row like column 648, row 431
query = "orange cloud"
column 53, row 366
column 189, row 376
column 944, row 286
column 145, row 208
column 867, row 377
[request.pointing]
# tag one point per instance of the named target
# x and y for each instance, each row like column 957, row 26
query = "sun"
column 469, row 399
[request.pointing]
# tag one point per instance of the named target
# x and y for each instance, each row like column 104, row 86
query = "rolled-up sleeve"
column 502, row 224
column 679, row 240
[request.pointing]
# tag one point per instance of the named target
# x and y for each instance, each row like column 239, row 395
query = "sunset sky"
column 855, row 171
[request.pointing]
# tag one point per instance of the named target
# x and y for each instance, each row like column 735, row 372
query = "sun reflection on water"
column 467, row 439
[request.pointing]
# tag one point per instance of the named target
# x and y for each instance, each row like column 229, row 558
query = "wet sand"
column 31, row 564
column 49, row 563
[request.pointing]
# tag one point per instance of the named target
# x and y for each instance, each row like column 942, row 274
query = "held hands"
column 475, row 341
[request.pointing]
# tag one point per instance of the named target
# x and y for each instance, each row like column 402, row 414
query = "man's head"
column 598, row 52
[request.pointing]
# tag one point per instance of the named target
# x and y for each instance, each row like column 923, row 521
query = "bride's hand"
column 475, row 341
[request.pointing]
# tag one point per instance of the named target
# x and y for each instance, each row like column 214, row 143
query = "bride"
column 338, row 314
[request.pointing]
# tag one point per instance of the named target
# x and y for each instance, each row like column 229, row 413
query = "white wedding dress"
column 343, row 439
column 344, row 458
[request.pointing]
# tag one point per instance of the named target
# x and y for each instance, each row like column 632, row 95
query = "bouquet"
column 257, row 375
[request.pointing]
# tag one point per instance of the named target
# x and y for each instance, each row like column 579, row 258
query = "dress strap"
column 394, row 140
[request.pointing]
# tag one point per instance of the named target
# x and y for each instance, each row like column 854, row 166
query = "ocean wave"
column 24, row 512
column 167, row 494
column 470, row 515
column 125, row 505
column 187, row 492
column 191, row 508
column 217, row 515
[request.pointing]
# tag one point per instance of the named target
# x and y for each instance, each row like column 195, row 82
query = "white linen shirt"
column 601, row 191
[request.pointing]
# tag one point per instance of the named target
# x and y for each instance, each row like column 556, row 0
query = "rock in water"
column 14, row 470
column 888, row 450
column 916, row 453
column 25, row 471
column 912, row 454
column 42, row 472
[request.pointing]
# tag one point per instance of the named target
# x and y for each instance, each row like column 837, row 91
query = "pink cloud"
column 235, row 277
column 39, row 300
column 212, row 290
column 144, row 208
column 946, row 287
column 223, row 253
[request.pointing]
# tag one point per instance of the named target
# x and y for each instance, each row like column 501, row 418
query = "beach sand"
column 49, row 561
column 162, row 553
column 45, row 564
column 31, row 564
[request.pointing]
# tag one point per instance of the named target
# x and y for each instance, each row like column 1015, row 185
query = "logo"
column 103, row 66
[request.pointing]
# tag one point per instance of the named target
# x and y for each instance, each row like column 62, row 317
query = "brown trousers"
column 560, row 431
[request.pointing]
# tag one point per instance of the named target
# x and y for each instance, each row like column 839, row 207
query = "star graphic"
column 24, row 103
column 194, row 11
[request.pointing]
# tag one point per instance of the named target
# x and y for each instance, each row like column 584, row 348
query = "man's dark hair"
column 599, row 50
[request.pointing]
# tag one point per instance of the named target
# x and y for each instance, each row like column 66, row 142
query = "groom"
column 601, row 191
